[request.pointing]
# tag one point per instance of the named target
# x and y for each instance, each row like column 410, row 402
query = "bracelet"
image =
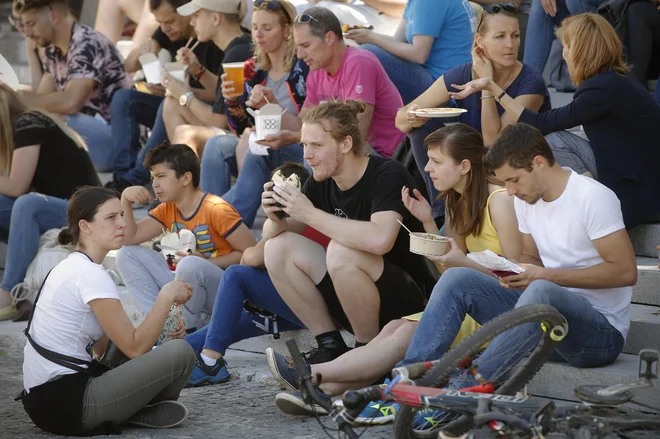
column 497, row 99
column 199, row 75
column 487, row 97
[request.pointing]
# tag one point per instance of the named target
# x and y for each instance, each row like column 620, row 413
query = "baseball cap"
column 224, row 6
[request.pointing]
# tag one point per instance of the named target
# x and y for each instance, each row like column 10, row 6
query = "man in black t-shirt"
column 188, row 119
column 131, row 108
column 364, row 279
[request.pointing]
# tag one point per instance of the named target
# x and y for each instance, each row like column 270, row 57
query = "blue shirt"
column 451, row 22
column 528, row 82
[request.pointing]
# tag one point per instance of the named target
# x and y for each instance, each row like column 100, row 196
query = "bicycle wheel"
column 507, row 381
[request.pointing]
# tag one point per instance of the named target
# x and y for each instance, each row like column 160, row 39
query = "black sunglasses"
column 271, row 5
column 506, row 7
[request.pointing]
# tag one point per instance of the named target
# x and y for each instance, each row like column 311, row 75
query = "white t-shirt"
column 63, row 320
column 563, row 231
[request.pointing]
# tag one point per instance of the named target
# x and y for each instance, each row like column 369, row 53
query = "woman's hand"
column 360, row 36
column 178, row 291
column 180, row 330
column 470, row 88
column 418, row 206
column 481, row 65
column 261, row 96
column 228, row 90
column 453, row 258
column 414, row 120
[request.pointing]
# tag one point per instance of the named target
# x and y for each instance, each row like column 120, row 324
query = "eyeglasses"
column 494, row 9
column 305, row 18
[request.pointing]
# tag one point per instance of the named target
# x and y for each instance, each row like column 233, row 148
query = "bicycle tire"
column 437, row 375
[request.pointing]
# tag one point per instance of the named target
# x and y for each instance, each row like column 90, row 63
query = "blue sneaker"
column 293, row 404
column 283, row 370
column 203, row 374
column 429, row 419
column 378, row 413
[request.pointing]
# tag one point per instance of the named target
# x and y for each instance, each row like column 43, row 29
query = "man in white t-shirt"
column 576, row 253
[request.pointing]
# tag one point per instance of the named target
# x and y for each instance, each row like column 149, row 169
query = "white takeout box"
column 268, row 120
column 7, row 74
column 177, row 70
column 152, row 68
column 172, row 243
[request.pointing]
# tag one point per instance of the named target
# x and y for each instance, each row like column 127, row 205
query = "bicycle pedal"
column 648, row 364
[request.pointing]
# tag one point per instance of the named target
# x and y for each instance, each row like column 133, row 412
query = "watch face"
column 182, row 99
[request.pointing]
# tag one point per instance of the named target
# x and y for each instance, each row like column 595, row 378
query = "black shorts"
column 399, row 296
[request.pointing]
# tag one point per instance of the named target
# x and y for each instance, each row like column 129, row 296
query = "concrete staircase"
column 558, row 380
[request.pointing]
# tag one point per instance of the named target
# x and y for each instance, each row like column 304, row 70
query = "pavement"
column 241, row 408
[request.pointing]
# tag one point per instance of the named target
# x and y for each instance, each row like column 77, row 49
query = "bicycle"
column 497, row 411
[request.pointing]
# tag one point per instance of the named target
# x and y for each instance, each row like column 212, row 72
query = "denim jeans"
column 541, row 33
column 245, row 196
column 98, row 135
column 571, row 150
column 410, row 78
column 145, row 273
column 417, row 137
column 25, row 219
column 138, row 174
column 591, row 340
column 230, row 322
column 130, row 109
column 219, row 164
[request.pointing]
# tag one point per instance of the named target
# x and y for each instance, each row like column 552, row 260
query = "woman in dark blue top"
column 619, row 116
column 494, row 55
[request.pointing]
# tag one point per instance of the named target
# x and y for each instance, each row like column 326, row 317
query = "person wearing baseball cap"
column 222, row 6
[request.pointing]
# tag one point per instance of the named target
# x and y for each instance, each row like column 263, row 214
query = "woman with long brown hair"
column 480, row 216
column 42, row 162
column 619, row 116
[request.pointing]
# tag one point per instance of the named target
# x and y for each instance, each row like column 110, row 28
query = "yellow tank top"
column 487, row 239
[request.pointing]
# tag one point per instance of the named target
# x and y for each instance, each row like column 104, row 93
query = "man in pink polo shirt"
column 342, row 72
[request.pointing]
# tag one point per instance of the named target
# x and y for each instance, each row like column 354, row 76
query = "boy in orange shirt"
column 221, row 237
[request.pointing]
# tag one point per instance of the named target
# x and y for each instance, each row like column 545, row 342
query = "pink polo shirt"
column 362, row 77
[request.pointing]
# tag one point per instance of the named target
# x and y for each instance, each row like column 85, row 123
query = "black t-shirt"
column 238, row 50
column 208, row 54
column 62, row 167
column 378, row 190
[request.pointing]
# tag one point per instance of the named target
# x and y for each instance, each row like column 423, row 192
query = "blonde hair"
column 342, row 118
column 12, row 106
column 482, row 23
column 593, row 47
column 286, row 14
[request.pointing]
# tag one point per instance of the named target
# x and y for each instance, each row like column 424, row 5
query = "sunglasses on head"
column 506, row 7
column 271, row 5
column 15, row 22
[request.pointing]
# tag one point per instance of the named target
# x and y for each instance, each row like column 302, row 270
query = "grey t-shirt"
column 282, row 94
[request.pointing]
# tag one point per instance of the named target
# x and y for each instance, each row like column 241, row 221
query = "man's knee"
column 539, row 291
column 340, row 258
column 188, row 267
column 278, row 249
column 184, row 134
column 121, row 100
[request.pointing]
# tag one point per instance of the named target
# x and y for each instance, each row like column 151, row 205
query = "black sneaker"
column 203, row 374
column 163, row 414
column 322, row 355
column 283, row 370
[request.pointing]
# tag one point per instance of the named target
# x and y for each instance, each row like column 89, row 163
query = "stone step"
column 644, row 329
column 645, row 238
column 558, row 380
column 647, row 289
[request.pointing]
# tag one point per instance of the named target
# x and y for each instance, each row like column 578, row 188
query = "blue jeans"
column 541, row 33
column 138, row 174
column 98, row 135
column 245, row 196
column 230, row 322
column 24, row 219
column 591, row 340
column 219, row 164
column 130, row 109
column 417, row 137
column 410, row 78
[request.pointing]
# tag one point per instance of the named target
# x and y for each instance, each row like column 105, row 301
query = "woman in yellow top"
column 479, row 216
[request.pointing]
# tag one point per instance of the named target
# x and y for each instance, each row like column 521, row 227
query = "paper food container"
column 268, row 120
column 177, row 70
column 182, row 242
column 7, row 74
column 152, row 68
column 426, row 244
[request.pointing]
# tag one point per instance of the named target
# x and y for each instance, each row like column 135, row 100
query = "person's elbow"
column 73, row 105
column 629, row 275
column 383, row 245
column 420, row 55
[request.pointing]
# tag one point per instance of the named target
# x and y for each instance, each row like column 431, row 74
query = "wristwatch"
column 185, row 98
